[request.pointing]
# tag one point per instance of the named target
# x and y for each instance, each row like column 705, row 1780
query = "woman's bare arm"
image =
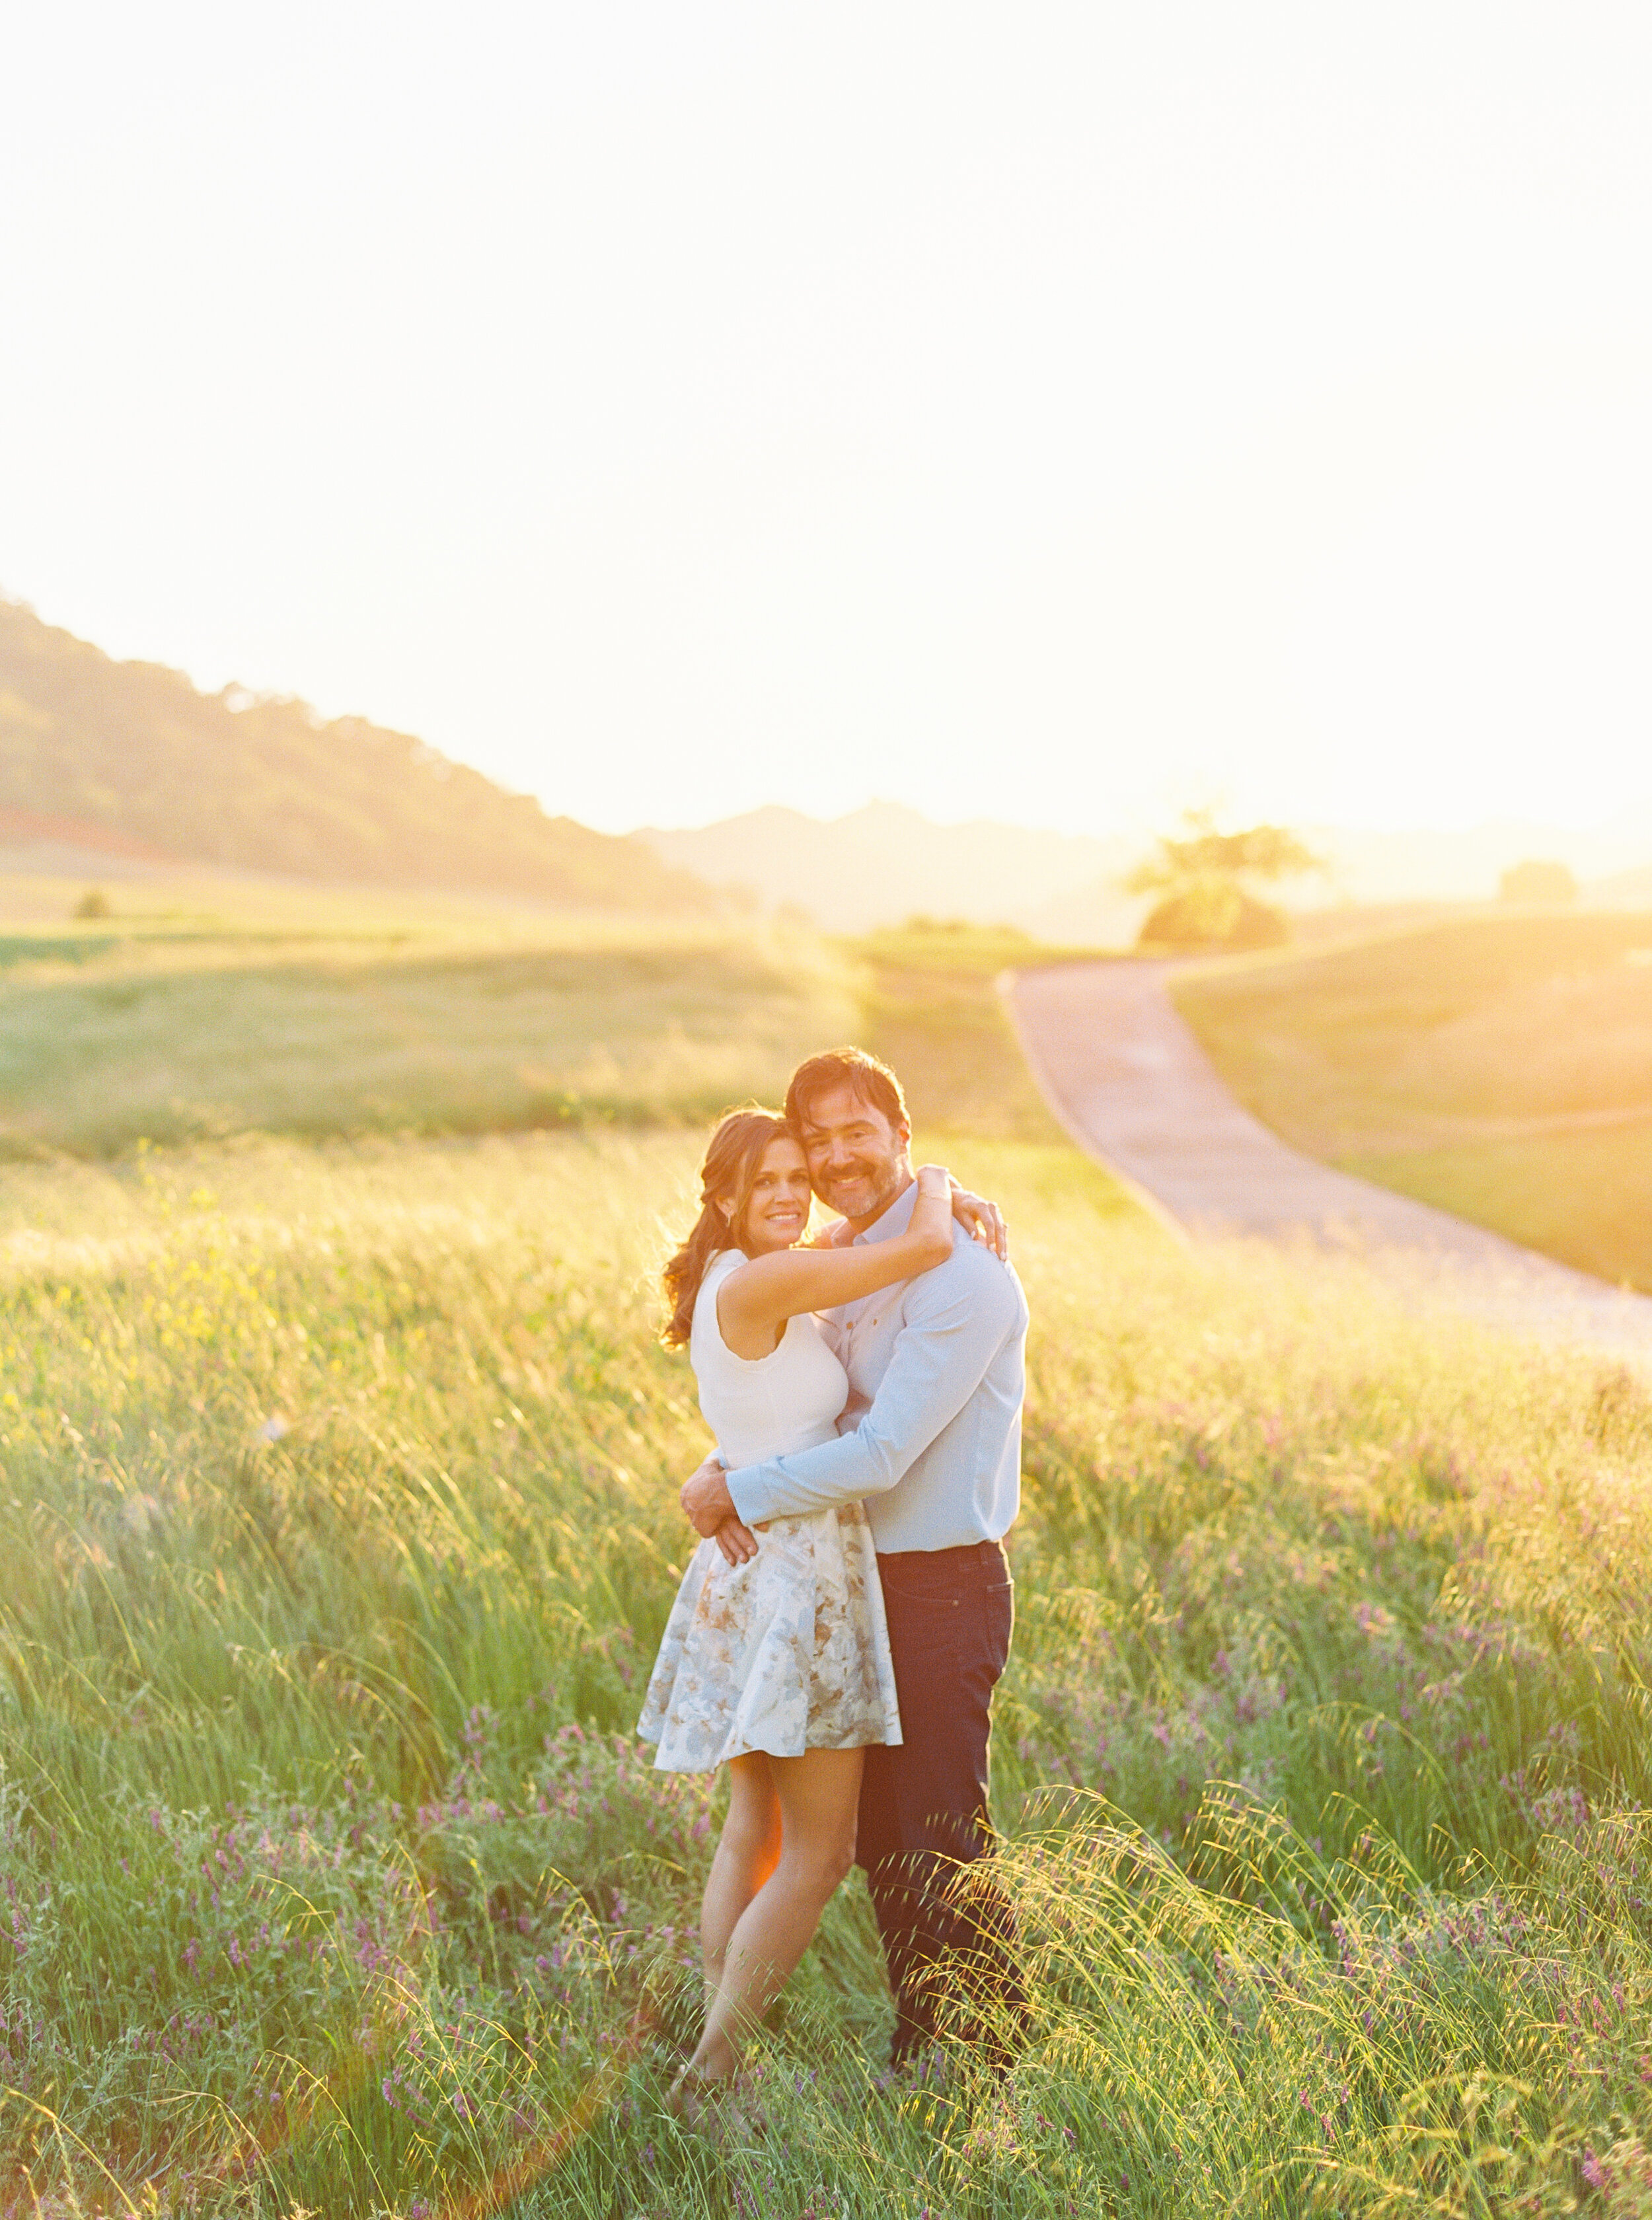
column 755, row 1300
column 982, row 1220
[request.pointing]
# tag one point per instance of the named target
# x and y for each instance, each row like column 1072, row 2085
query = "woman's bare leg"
column 819, row 1793
column 748, row 1850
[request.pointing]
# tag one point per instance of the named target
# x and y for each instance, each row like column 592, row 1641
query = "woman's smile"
column 785, row 1217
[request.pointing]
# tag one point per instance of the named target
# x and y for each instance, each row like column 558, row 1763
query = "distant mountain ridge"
column 880, row 864
column 884, row 863
column 130, row 756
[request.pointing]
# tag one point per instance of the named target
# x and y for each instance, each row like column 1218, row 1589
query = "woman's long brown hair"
column 727, row 1175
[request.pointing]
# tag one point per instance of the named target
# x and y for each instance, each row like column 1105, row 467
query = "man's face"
column 858, row 1158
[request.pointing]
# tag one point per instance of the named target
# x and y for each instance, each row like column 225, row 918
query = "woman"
column 779, row 1668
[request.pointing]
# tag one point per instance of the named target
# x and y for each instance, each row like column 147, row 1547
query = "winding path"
column 1123, row 1072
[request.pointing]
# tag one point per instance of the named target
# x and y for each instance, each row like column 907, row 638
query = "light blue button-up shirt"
column 941, row 1359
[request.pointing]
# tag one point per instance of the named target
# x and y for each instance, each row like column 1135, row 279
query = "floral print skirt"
column 788, row 1653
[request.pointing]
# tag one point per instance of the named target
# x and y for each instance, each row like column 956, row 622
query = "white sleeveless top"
column 763, row 1406
column 790, row 1650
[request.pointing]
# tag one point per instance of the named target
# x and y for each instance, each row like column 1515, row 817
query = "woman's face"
column 777, row 1209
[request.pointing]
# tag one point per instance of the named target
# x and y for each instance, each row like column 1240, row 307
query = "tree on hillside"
column 1537, row 882
column 1204, row 878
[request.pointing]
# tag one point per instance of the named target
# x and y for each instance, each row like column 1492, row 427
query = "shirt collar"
column 895, row 1221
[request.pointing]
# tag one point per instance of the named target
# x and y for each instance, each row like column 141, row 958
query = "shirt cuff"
column 749, row 1495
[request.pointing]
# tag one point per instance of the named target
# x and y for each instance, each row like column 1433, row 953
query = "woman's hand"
column 737, row 1541
column 983, row 1221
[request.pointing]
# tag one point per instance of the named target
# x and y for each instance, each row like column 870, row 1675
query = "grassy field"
column 218, row 1009
column 337, row 1505
column 930, row 1008
column 1500, row 1066
column 214, row 1010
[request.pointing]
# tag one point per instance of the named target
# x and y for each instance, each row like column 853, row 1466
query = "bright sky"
column 1053, row 412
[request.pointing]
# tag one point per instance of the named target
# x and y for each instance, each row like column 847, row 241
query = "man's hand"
column 706, row 1501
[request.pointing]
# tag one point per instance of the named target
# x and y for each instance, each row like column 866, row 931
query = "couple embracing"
column 839, row 1630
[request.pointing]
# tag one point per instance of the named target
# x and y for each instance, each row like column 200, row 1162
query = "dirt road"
column 1125, row 1075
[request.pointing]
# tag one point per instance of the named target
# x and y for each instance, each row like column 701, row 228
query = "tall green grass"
column 337, row 1512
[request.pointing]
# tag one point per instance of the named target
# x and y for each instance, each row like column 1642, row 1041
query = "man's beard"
column 873, row 1189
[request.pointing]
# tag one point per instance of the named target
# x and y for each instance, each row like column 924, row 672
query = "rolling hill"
column 131, row 758
column 1496, row 1065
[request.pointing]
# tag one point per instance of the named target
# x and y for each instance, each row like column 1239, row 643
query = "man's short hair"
column 870, row 1081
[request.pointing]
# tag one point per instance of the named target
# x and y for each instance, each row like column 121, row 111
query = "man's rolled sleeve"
column 949, row 1337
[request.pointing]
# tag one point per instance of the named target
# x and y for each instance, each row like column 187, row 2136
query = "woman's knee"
column 822, row 1862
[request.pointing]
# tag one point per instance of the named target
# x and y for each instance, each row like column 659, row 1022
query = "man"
column 937, row 1458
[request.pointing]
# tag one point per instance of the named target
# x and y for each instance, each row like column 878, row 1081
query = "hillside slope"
column 133, row 750
column 1496, row 1066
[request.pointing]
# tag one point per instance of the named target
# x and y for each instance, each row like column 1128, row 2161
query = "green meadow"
column 337, row 1483
column 217, row 1010
column 1498, row 1065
